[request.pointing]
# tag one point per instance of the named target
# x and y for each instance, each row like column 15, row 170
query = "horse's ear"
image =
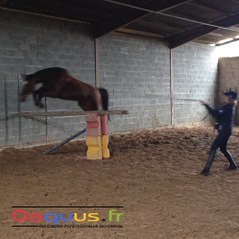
column 27, row 77
column 23, row 77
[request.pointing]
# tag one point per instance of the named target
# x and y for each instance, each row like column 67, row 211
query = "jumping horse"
column 58, row 83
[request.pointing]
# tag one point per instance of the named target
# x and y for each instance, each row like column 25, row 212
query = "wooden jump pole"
column 6, row 116
column 19, row 109
column 55, row 147
column 68, row 113
column 100, row 114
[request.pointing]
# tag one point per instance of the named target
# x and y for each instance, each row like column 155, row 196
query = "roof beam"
column 122, row 19
column 179, row 39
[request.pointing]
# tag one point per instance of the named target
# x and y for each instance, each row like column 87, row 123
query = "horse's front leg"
column 37, row 97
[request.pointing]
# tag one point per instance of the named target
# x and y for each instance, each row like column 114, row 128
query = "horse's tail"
column 105, row 98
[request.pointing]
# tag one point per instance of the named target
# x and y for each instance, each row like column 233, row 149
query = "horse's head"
column 27, row 88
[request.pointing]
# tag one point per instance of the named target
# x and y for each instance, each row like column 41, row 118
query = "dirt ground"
column 153, row 174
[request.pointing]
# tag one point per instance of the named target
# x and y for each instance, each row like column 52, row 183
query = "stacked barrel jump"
column 97, row 138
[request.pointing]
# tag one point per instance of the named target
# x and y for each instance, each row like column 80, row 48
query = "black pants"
column 221, row 142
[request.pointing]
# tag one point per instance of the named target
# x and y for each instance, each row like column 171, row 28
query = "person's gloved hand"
column 202, row 102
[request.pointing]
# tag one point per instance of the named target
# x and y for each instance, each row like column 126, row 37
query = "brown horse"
column 58, row 83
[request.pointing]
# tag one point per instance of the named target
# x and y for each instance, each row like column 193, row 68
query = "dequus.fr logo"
column 68, row 216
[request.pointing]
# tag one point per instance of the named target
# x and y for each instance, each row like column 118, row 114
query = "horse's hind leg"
column 88, row 104
column 37, row 96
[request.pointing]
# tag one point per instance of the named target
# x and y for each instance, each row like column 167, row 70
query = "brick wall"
column 135, row 70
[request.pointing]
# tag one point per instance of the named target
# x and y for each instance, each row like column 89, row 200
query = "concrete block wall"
column 228, row 77
column 135, row 70
column 194, row 77
column 136, row 73
column 30, row 43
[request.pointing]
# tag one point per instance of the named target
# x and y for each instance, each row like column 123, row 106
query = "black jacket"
column 224, row 116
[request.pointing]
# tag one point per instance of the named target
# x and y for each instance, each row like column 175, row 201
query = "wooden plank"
column 140, row 33
column 187, row 36
column 68, row 113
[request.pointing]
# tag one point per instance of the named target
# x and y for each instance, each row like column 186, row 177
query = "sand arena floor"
column 153, row 174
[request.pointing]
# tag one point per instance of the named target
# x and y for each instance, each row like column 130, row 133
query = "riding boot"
column 206, row 170
column 230, row 159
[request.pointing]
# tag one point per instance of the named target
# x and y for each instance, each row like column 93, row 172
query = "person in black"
column 225, row 118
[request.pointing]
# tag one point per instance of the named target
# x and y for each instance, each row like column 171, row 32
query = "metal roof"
column 173, row 21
